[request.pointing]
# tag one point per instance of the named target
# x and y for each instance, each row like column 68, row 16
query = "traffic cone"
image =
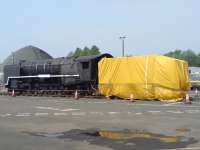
column 187, row 99
column 13, row 93
column 132, row 98
column 108, row 97
column 196, row 91
column 76, row 96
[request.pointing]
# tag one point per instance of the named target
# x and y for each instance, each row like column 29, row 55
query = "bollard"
column 108, row 97
column 196, row 92
column 187, row 99
column 76, row 96
column 13, row 93
column 132, row 98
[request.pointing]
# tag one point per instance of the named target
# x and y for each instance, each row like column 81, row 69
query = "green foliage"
column 94, row 50
column 191, row 57
column 85, row 52
column 77, row 53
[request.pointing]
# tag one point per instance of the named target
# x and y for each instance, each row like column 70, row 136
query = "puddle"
column 42, row 134
column 126, row 139
column 124, row 136
column 183, row 130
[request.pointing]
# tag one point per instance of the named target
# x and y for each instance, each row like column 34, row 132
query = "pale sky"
column 59, row 26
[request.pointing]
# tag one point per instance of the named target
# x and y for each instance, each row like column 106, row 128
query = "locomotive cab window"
column 85, row 65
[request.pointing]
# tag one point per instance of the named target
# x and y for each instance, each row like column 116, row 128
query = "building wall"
column 194, row 70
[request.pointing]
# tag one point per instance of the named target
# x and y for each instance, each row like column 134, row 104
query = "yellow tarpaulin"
column 144, row 77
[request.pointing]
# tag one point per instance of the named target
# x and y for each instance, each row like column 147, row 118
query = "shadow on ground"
column 126, row 139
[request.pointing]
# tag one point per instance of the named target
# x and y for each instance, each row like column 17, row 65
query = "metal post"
column 122, row 38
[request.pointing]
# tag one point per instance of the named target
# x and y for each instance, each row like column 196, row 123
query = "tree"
column 175, row 54
column 94, row 50
column 191, row 57
column 78, row 52
column 86, row 51
column 188, row 55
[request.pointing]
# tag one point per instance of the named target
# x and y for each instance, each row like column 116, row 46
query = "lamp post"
column 122, row 38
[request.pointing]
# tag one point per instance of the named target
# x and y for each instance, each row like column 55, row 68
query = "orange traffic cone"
column 13, row 93
column 196, row 91
column 76, row 96
column 132, row 98
column 108, row 97
column 187, row 99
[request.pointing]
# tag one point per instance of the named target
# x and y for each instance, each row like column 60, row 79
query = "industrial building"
column 25, row 53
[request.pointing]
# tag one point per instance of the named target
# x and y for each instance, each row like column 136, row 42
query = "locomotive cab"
column 88, row 67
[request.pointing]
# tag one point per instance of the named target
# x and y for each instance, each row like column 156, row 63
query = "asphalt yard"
column 47, row 123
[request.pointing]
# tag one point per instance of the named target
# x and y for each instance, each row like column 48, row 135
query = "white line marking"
column 162, row 105
column 60, row 114
column 96, row 113
column 41, row 114
column 93, row 102
column 155, row 105
column 23, row 115
column 154, row 111
column 139, row 113
column 79, row 114
column 69, row 109
column 187, row 148
column 175, row 112
column 5, row 115
column 170, row 104
column 47, row 108
column 56, row 109
column 192, row 111
column 98, row 102
column 113, row 113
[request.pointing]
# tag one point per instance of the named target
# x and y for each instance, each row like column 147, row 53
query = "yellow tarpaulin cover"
column 144, row 77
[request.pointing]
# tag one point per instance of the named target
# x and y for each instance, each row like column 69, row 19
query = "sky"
column 60, row 26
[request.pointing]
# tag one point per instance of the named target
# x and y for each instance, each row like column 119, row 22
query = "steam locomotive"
column 54, row 74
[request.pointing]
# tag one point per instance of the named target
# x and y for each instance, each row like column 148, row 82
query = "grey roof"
column 26, row 53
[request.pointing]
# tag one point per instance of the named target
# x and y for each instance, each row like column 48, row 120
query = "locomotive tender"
column 54, row 74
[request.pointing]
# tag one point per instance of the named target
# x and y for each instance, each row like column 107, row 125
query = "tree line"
column 94, row 50
column 190, row 56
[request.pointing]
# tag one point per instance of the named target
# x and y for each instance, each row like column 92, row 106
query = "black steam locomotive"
column 54, row 74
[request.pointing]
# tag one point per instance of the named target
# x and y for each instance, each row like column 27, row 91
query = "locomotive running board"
column 41, row 76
